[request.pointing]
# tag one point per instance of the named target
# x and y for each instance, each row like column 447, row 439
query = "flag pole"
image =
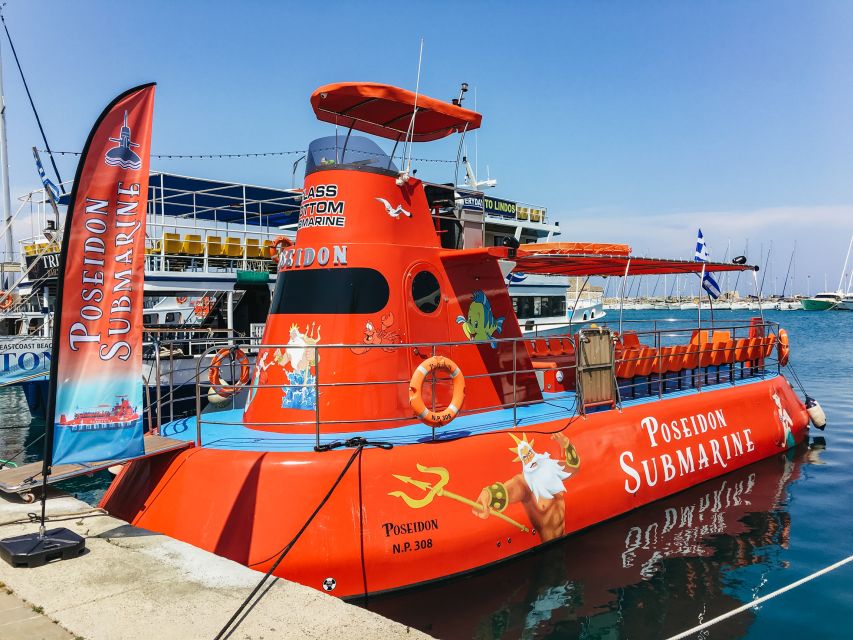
column 4, row 172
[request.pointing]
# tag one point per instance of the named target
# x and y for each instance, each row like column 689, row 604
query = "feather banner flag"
column 95, row 399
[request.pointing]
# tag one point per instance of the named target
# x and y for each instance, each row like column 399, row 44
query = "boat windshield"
column 360, row 151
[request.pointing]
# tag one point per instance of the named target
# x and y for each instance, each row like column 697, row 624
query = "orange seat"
column 755, row 350
column 729, row 352
column 699, row 337
column 568, row 346
column 718, row 352
column 646, row 361
column 555, row 347
column 630, row 339
column 691, row 356
column 741, row 350
column 706, row 351
column 769, row 344
column 721, row 336
column 540, row 348
column 676, row 359
column 626, row 366
column 661, row 362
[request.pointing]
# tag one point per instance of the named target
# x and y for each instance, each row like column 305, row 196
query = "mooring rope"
column 758, row 601
column 233, row 621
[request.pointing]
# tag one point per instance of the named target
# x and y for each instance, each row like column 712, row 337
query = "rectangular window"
column 350, row 290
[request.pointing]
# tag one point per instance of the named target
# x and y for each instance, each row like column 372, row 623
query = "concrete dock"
column 133, row 584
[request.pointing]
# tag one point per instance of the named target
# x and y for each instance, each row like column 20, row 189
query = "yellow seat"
column 233, row 247
column 29, row 249
column 266, row 252
column 215, row 248
column 172, row 243
column 192, row 246
column 253, row 248
column 155, row 249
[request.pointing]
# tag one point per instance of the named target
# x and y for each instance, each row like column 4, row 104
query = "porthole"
column 426, row 292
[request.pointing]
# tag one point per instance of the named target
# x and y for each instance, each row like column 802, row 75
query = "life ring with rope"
column 783, row 349
column 280, row 243
column 235, row 354
column 416, row 401
column 6, row 301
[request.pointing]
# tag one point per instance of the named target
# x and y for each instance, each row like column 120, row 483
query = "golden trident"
column 438, row 489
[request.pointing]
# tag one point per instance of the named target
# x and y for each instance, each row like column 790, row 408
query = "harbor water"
column 671, row 565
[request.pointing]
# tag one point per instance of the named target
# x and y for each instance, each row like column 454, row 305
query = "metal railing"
column 167, row 350
column 713, row 360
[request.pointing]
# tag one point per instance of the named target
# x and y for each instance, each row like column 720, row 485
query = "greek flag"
column 708, row 283
column 49, row 187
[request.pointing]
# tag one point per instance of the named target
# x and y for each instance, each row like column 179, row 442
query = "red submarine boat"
column 394, row 395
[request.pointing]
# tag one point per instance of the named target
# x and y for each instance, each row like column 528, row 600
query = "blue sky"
column 631, row 121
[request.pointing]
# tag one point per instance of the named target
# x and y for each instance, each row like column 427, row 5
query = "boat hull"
column 811, row 304
column 384, row 529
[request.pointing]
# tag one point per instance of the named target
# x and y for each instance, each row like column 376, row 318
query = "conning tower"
column 382, row 263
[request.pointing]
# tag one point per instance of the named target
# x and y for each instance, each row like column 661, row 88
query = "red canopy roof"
column 602, row 265
column 577, row 248
column 386, row 111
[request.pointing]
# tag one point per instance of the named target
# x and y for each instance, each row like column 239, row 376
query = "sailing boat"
column 832, row 299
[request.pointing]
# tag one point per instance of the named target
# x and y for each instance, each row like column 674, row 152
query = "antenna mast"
column 411, row 132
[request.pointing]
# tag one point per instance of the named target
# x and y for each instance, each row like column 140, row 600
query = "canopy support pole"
column 346, row 142
column 622, row 295
column 699, row 304
column 758, row 293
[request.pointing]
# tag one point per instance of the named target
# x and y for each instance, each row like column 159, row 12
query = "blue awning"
column 203, row 199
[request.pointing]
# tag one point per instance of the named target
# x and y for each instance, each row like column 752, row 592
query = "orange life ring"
column 5, row 300
column 783, row 349
column 181, row 299
column 281, row 242
column 416, row 401
column 236, row 354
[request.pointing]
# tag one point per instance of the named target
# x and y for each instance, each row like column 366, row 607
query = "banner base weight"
column 31, row 550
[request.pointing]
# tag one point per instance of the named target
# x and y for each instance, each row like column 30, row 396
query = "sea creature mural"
column 481, row 324
column 300, row 391
column 785, row 422
column 384, row 334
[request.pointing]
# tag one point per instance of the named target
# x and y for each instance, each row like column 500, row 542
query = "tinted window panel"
column 330, row 291
column 426, row 292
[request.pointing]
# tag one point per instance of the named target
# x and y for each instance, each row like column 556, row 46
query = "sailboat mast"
column 844, row 269
column 4, row 172
column 788, row 272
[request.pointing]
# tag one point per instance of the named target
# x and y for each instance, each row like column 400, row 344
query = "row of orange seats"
column 552, row 346
column 644, row 361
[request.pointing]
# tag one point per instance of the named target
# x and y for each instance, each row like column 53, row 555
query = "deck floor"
column 224, row 429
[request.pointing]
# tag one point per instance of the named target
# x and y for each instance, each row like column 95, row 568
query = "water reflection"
column 20, row 436
column 651, row 573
